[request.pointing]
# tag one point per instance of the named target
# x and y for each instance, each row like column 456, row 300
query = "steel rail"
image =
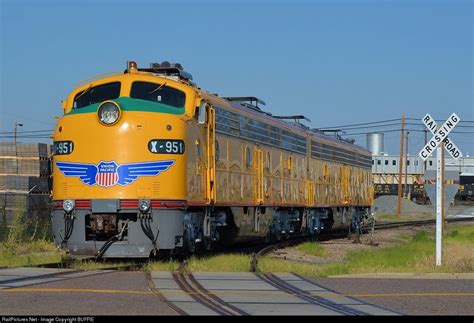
column 214, row 297
column 306, row 296
column 382, row 226
column 161, row 297
column 202, row 297
column 63, row 275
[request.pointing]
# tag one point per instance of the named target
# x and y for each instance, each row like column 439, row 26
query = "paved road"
column 53, row 292
column 463, row 213
column 410, row 296
column 106, row 293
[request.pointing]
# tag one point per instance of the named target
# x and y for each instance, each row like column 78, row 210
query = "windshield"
column 159, row 93
column 96, row 94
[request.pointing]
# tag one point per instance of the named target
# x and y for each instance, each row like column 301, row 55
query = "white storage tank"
column 375, row 143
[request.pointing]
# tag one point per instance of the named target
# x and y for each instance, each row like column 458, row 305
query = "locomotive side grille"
column 156, row 188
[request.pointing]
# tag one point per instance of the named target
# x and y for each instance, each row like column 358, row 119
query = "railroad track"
column 38, row 274
column 65, row 270
column 21, row 278
column 273, row 290
column 307, row 296
column 389, row 225
column 193, row 288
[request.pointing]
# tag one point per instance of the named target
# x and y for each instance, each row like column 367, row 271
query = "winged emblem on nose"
column 109, row 173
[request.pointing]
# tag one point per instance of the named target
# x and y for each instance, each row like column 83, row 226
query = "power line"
column 358, row 124
column 394, row 130
column 383, row 123
column 27, row 131
column 28, row 136
column 418, row 119
column 363, row 127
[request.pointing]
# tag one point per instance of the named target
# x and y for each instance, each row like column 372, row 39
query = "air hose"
column 146, row 228
column 68, row 228
column 111, row 240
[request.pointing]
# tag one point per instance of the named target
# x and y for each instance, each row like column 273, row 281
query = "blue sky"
column 337, row 62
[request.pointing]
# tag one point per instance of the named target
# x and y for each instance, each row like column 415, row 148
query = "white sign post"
column 440, row 135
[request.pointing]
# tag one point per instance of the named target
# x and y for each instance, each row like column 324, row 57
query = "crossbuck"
column 440, row 135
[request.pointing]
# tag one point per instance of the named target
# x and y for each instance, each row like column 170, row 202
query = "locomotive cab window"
column 97, row 94
column 159, row 93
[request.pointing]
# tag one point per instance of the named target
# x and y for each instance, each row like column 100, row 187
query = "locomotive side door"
column 211, row 156
column 207, row 118
column 259, row 180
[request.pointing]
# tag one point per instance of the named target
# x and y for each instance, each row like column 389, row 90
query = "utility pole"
column 400, row 168
column 406, row 167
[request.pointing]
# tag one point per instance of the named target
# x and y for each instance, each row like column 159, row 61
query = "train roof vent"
column 326, row 132
column 249, row 102
column 349, row 140
column 167, row 69
column 295, row 120
column 335, row 133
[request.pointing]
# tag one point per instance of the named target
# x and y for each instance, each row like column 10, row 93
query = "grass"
column 404, row 217
column 29, row 253
column 276, row 265
column 312, row 249
column 416, row 255
column 219, row 263
column 401, row 258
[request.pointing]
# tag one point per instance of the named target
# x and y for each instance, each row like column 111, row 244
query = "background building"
column 25, row 187
column 385, row 169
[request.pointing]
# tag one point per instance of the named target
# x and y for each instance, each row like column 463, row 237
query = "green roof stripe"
column 131, row 104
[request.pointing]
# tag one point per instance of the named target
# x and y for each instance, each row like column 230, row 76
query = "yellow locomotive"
column 146, row 161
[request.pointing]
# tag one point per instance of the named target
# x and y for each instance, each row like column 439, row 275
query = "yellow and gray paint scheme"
column 231, row 171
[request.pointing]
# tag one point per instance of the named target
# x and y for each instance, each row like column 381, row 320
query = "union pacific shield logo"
column 109, row 173
column 106, row 174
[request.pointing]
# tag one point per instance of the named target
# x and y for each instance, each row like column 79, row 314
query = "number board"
column 63, row 147
column 166, row 146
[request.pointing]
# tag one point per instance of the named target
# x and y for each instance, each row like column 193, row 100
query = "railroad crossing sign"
column 440, row 139
column 440, row 135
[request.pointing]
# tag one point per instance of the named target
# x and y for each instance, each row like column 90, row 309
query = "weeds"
column 28, row 253
column 17, row 231
column 312, row 248
column 219, row 263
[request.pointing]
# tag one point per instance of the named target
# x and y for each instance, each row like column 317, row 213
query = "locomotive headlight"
column 144, row 206
column 68, row 206
column 109, row 112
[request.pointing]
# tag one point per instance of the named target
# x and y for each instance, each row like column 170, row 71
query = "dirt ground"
column 337, row 249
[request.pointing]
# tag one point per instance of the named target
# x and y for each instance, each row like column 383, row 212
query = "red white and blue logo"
column 109, row 173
